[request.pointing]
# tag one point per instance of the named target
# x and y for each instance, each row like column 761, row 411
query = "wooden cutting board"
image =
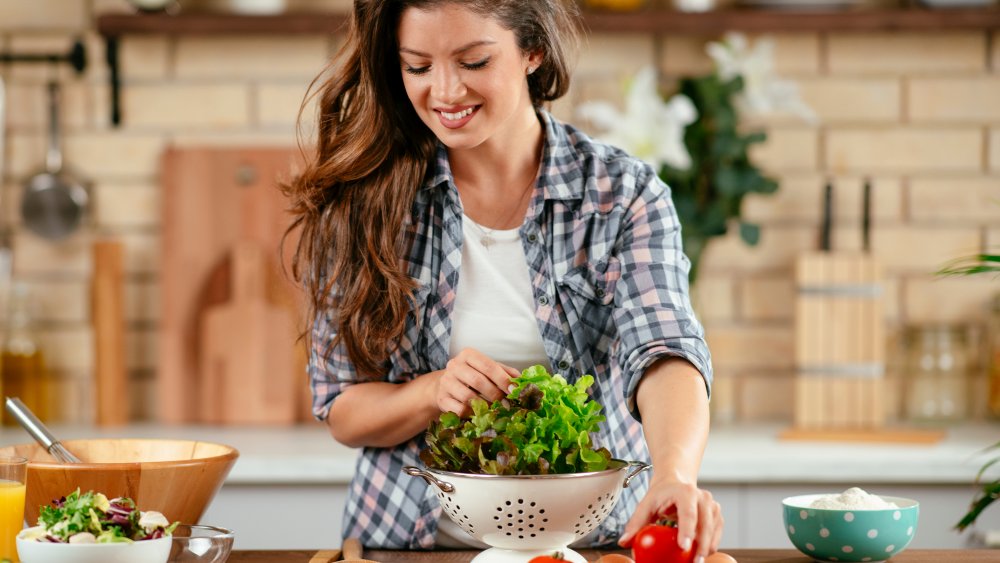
column 248, row 346
column 213, row 199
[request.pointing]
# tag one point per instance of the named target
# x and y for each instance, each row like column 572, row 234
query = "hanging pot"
column 54, row 203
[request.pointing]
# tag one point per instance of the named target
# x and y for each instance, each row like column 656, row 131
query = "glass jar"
column 936, row 378
column 993, row 360
column 22, row 367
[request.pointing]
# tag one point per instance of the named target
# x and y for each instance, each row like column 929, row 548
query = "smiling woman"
column 454, row 233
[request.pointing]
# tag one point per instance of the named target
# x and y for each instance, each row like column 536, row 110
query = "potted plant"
column 693, row 137
column 990, row 489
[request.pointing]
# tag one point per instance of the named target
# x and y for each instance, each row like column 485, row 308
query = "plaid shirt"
column 603, row 245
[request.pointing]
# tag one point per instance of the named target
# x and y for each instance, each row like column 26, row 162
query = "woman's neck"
column 500, row 165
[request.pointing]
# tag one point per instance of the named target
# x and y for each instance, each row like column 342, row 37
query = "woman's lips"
column 456, row 119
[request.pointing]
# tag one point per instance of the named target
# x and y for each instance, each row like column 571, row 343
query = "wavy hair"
column 351, row 202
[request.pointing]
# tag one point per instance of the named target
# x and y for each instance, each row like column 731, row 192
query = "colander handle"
column 637, row 467
column 431, row 480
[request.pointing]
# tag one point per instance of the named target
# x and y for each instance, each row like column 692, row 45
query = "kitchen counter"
column 741, row 555
column 748, row 469
column 307, row 454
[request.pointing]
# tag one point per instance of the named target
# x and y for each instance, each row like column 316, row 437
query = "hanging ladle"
column 39, row 431
column 54, row 202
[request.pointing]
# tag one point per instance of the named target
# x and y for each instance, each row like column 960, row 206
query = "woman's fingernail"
column 685, row 544
column 699, row 559
column 511, row 387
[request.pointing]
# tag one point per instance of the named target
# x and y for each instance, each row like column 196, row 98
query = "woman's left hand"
column 698, row 515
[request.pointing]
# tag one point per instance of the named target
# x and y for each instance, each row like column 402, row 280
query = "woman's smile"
column 458, row 117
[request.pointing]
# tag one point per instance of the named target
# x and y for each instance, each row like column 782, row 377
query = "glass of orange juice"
column 13, row 472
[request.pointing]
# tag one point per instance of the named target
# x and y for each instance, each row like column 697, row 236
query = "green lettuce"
column 542, row 426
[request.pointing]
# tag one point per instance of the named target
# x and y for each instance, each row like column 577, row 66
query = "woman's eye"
column 476, row 65
column 416, row 70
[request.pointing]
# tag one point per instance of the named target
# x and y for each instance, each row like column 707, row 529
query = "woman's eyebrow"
column 461, row 49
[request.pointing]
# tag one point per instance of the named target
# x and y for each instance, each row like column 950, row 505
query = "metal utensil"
column 54, row 203
column 39, row 431
column 6, row 255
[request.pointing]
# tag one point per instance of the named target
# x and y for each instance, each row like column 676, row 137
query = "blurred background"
column 175, row 117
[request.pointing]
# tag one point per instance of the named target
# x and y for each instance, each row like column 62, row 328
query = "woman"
column 454, row 233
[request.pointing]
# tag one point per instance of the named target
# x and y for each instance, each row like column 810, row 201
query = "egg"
column 614, row 558
column 719, row 557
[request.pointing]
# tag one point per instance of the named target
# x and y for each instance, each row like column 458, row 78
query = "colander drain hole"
column 595, row 512
column 521, row 518
column 455, row 511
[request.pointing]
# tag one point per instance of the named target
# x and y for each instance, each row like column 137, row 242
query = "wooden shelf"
column 202, row 23
column 649, row 20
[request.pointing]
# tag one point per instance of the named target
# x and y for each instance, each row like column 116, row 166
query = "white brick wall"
column 917, row 112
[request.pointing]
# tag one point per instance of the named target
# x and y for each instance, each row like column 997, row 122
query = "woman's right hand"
column 468, row 375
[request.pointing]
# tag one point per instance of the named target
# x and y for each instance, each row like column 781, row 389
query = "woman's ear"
column 533, row 62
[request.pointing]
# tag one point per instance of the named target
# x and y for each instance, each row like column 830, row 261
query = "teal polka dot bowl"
column 850, row 535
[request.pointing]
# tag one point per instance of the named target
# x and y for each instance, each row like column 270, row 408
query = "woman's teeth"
column 457, row 116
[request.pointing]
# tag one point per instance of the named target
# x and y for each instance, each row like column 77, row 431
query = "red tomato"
column 554, row 558
column 658, row 544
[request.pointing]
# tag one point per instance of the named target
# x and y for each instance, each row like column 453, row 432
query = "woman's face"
column 464, row 75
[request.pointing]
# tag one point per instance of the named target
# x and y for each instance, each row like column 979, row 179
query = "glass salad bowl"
column 201, row 544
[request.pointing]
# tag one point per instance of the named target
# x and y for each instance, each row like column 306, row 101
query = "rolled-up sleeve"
column 330, row 369
column 653, row 312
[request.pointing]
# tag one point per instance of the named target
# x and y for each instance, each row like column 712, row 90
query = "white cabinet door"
column 280, row 517
column 941, row 506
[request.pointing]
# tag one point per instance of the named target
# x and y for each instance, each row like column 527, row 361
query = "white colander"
column 522, row 516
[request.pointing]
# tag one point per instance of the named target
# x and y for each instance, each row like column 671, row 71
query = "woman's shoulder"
column 576, row 145
column 585, row 159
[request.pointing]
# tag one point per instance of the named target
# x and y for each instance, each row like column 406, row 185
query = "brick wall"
column 919, row 113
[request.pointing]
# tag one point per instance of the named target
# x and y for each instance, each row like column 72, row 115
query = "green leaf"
column 543, row 425
column 750, row 233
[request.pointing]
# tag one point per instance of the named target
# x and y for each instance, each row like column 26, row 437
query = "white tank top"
column 494, row 306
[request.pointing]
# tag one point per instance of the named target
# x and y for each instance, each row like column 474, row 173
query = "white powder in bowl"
column 852, row 499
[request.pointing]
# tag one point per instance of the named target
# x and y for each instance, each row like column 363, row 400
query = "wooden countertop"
column 741, row 555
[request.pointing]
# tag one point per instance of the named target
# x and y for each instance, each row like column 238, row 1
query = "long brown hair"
column 352, row 200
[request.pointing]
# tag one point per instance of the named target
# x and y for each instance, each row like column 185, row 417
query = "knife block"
column 839, row 342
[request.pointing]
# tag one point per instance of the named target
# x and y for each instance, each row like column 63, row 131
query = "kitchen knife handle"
column 866, row 216
column 827, row 225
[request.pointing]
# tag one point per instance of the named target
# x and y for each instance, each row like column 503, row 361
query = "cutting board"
column 248, row 346
column 215, row 198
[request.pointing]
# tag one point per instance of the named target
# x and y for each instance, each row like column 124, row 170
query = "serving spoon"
column 39, row 431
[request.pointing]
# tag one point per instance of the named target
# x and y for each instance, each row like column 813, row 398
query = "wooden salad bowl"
column 176, row 477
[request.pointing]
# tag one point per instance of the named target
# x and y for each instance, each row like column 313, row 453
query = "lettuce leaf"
column 542, row 426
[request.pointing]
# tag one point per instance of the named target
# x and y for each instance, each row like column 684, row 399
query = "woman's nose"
column 448, row 85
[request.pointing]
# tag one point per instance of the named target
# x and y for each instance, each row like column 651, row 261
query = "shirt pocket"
column 594, row 282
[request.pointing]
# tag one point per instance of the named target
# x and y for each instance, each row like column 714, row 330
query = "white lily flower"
column 151, row 520
column 650, row 128
column 764, row 92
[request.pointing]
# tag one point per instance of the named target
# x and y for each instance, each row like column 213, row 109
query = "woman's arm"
column 673, row 402
column 380, row 414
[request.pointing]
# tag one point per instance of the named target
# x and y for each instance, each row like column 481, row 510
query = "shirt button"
column 563, row 364
column 532, row 238
column 599, row 291
column 544, row 300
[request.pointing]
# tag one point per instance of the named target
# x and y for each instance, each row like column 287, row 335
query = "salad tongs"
column 39, row 431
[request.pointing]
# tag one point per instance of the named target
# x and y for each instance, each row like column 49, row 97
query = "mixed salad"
column 91, row 518
column 542, row 426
